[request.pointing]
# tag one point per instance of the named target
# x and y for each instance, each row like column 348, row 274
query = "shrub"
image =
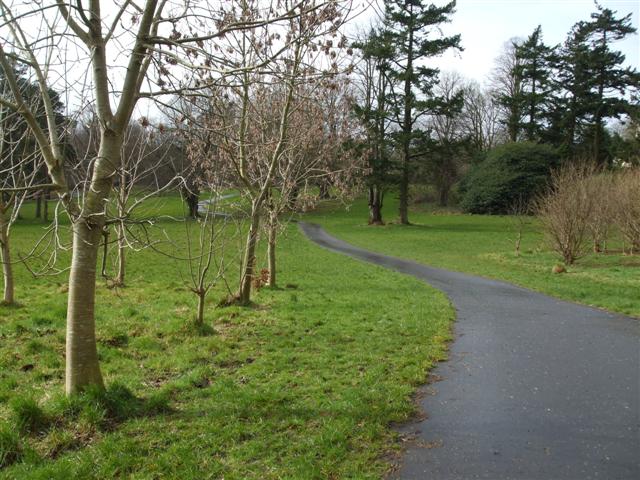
column 600, row 187
column 627, row 207
column 511, row 172
column 566, row 210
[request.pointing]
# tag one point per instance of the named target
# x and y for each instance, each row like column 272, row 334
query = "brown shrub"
column 626, row 213
column 566, row 210
column 600, row 188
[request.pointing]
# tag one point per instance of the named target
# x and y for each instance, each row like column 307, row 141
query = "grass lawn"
column 484, row 245
column 305, row 384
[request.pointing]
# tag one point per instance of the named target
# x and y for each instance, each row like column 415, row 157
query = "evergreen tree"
column 534, row 71
column 409, row 25
column 506, row 85
column 611, row 81
column 592, row 83
column 373, row 111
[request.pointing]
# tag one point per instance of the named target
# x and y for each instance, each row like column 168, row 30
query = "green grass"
column 305, row 384
column 484, row 245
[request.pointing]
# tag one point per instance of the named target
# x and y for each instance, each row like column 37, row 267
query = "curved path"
column 534, row 388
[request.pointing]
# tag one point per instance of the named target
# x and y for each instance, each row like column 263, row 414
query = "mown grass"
column 485, row 245
column 303, row 384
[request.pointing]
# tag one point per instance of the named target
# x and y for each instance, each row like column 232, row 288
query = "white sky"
column 485, row 25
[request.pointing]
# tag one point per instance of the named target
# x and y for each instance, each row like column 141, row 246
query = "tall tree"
column 147, row 45
column 445, row 150
column 592, row 83
column 611, row 80
column 373, row 111
column 534, row 70
column 506, row 85
column 412, row 28
column 481, row 118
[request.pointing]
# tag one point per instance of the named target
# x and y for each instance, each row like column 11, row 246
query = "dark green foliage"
column 409, row 27
column 534, row 69
column 510, row 172
column 592, row 85
column 10, row 451
column 28, row 416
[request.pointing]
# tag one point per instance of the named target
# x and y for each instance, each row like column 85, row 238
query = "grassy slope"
column 304, row 385
column 484, row 245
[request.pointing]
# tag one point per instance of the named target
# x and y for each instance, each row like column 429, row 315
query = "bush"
column 511, row 172
column 601, row 187
column 627, row 207
column 566, row 211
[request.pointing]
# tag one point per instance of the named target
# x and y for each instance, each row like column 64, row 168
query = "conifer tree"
column 412, row 28
column 534, row 70
column 611, row 80
column 592, row 83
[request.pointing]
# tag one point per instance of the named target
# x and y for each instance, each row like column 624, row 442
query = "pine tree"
column 372, row 110
column 534, row 71
column 410, row 26
column 611, row 81
column 506, row 85
column 592, row 83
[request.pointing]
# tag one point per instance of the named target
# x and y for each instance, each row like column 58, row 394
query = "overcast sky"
column 485, row 25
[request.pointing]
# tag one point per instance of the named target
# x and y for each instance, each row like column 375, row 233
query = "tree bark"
column 201, row 299
column 407, row 129
column 443, row 199
column 249, row 259
column 122, row 256
column 271, row 248
column 39, row 205
column 324, row 190
column 375, row 205
column 82, row 366
column 5, row 257
column 45, row 209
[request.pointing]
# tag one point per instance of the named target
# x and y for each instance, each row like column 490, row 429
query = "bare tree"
column 372, row 108
column 519, row 216
column 506, row 84
column 205, row 251
column 446, row 157
column 159, row 37
column 627, row 206
column 602, row 188
column 250, row 124
column 19, row 168
column 315, row 154
column 565, row 211
column 481, row 118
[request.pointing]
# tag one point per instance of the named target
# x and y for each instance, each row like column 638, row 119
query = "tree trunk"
column 45, row 209
column 82, row 367
column 249, row 259
column 201, row 299
column 293, row 197
column 375, row 206
column 443, row 197
column 271, row 248
column 404, row 187
column 5, row 257
column 324, row 190
column 39, row 205
column 122, row 256
column 407, row 129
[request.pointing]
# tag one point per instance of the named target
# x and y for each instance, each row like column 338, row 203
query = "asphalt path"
column 534, row 388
